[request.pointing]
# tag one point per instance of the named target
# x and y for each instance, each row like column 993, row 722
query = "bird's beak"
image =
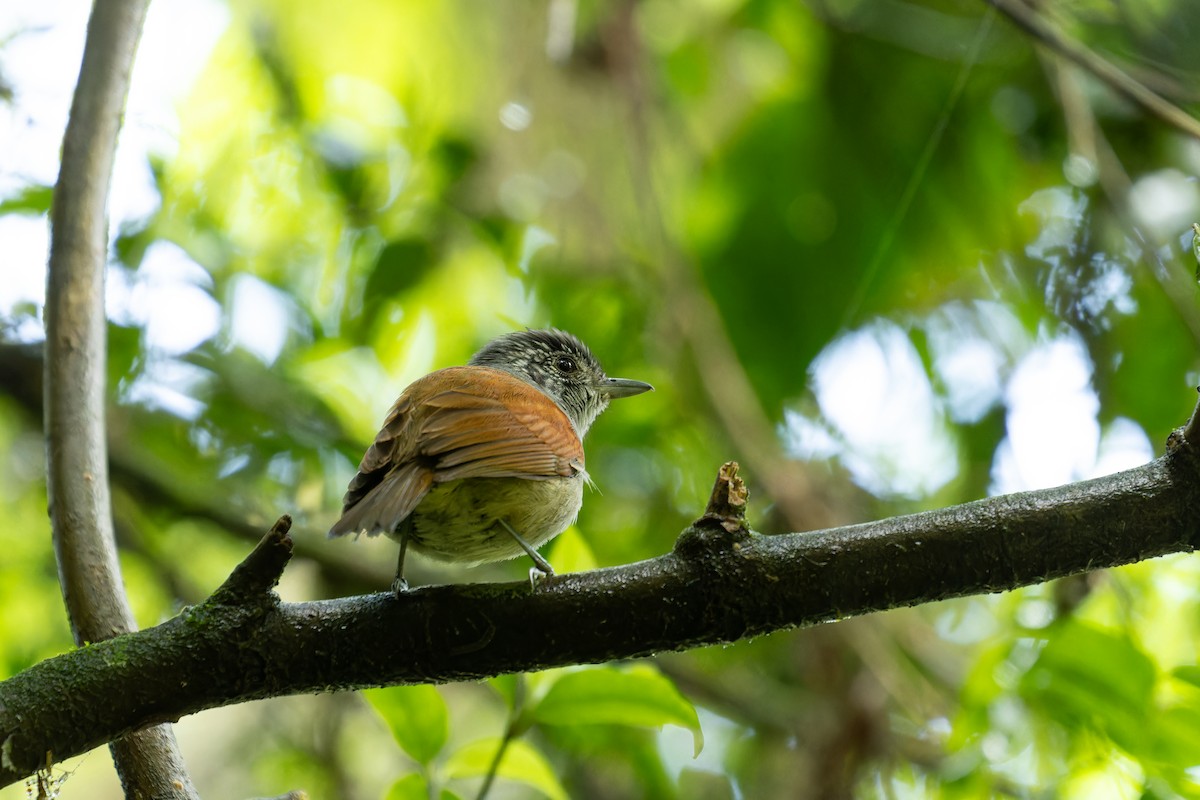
column 623, row 387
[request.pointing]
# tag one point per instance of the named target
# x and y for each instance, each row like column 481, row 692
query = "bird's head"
column 561, row 366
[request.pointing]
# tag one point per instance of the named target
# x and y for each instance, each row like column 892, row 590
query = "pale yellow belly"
column 459, row 521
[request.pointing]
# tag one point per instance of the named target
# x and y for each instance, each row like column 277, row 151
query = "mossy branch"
column 720, row 584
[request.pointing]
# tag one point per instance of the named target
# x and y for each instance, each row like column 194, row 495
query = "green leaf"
column 33, row 199
column 1188, row 674
column 399, row 267
column 521, row 763
column 570, row 552
column 1094, row 677
column 411, row 787
column 1177, row 734
column 637, row 695
column 416, row 716
column 506, row 687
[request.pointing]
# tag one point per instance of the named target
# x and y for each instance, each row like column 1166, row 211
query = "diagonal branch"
column 1122, row 82
column 77, row 460
column 1087, row 139
column 721, row 583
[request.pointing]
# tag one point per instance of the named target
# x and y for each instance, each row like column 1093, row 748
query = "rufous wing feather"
column 388, row 485
column 388, row 504
column 461, row 422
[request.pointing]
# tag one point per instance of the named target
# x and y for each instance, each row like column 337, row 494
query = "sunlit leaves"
column 570, row 552
column 410, row 787
column 416, row 716
column 580, row 702
column 1088, row 676
column 638, row 696
column 519, row 763
column 33, row 199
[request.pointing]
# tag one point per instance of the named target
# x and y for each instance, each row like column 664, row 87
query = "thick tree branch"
column 77, row 460
column 718, row 585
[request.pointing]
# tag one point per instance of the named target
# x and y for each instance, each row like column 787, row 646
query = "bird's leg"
column 399, row 585
column 543, row 565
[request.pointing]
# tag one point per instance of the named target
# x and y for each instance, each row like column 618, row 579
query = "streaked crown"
column 557, row 363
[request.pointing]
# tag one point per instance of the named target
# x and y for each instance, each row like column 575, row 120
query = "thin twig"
column 888, row 236
column 253, row 579
column 1087, row 139
column 511, row 731
column 147, row 761
column 1032, row 23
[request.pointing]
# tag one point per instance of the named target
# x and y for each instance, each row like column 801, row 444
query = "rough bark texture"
column 716, row 586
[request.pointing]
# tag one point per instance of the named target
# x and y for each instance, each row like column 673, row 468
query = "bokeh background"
column 889, row 255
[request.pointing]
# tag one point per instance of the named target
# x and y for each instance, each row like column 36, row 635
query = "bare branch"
column 1124, row 84
column 1088, row 139
column 76, row 332
column 716, row 586
column 77, row 459
column 252, row 581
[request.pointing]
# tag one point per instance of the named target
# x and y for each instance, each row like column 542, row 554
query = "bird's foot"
column 399, row 586
column 537, row 575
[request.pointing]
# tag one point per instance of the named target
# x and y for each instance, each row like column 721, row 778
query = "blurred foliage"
column 892, row 212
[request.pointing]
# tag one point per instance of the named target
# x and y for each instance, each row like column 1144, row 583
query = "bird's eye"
column 566, row 364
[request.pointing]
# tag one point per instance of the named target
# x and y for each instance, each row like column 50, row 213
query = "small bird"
column 485, row 462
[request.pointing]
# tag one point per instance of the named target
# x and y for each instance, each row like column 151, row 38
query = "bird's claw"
column 537, row 575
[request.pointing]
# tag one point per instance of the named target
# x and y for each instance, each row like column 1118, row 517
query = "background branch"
column 695, row 320
column 717, row 586
column 21, row 378
column 1124, row 84
column 77, row 460
column 1088, row 139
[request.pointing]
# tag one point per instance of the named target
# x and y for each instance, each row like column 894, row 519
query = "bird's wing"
column 474, row 422
column 387, row 487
